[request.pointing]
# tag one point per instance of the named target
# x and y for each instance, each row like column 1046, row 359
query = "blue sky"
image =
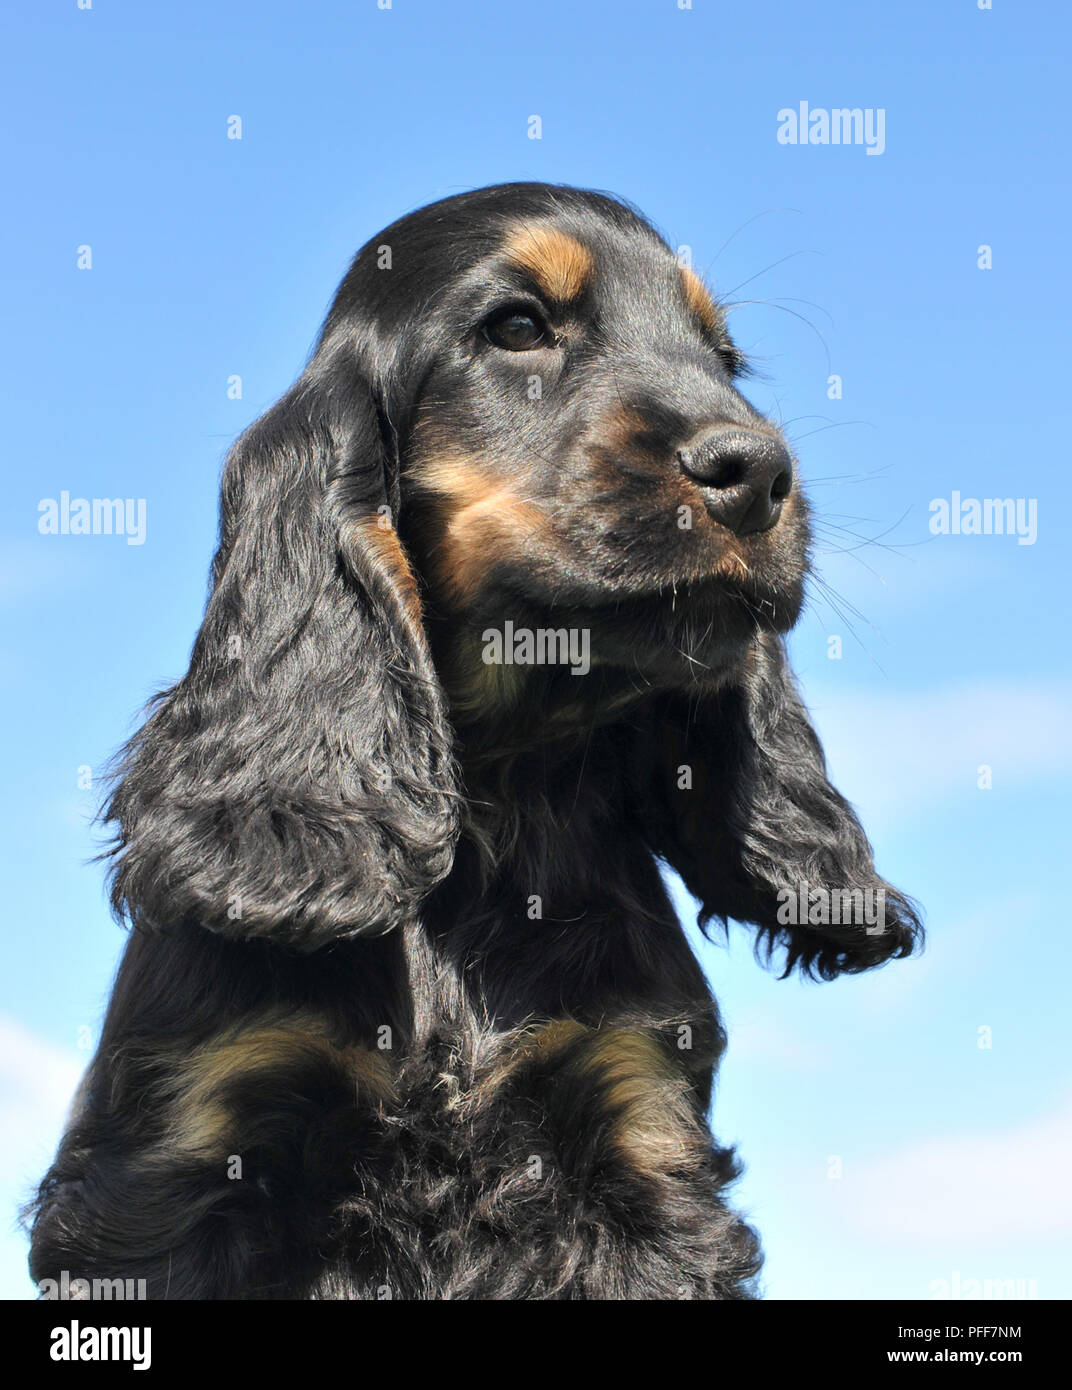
column 887, row 1151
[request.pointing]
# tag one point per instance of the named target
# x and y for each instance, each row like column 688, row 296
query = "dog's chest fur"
column 566, row 1157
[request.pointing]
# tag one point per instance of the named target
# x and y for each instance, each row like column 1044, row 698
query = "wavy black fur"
column 406, row 1010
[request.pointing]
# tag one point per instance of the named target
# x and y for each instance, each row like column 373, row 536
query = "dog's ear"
column 298, row 783
column 746, row 815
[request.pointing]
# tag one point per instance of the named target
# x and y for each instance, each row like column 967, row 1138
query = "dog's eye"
column 517, row 330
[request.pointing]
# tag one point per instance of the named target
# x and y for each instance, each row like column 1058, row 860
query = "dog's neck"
column 555, row 905
column 555, row 901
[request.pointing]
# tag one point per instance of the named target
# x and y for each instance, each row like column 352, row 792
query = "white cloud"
column 37, row 1084
column 911, row 749
column 988, row 1185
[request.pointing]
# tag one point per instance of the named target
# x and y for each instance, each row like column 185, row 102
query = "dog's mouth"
column 695, row 630
column 770, row 603
column 734, row 596
column 675, row 636
column 518, row 661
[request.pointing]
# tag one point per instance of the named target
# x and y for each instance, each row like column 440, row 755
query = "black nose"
column 745, row 476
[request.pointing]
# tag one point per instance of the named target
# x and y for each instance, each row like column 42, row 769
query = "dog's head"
column 521, row 410
column 573, row 445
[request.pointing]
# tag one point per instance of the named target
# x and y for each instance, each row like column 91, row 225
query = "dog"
column 496, row 631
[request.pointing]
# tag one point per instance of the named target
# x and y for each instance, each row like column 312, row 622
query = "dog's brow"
column 561, row 265
column 699, row 298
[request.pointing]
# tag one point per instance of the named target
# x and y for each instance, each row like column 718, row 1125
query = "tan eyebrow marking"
column 560, row 264
column 699, row 298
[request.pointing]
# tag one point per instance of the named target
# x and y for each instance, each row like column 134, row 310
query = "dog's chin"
column 684, row 636
column 695, row 636
column 726, row 605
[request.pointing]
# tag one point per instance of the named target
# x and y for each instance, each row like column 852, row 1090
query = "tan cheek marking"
column 560, row 264
column 699, row 298
column 201, row 1121
column 622, row 427
column 481, row 521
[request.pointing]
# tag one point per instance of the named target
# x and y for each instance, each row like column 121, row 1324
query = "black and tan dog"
column 495, row 629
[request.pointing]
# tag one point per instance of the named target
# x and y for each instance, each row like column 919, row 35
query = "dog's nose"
column 745, row 476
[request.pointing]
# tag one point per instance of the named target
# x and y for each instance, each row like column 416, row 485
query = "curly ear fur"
column 759, row 823
column 297, row 784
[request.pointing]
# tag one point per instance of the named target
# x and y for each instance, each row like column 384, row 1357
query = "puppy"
column 495, row 632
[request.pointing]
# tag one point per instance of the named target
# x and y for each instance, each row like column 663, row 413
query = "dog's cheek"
column 471, row 523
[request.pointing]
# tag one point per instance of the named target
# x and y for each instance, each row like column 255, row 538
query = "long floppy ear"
column 744, row 812
column 298, row 782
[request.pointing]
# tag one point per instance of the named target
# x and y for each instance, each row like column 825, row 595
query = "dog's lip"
column 694, row 594
column 769, row 605
column 726, row 604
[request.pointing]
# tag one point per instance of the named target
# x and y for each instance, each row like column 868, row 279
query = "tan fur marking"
column 534, row 1044
column 560, row 264
column 643, row 1095
column 555, row 1036
column 379, row 536
column 480, row 518
column 201, row 1122
column 653, row 1126
column 699, row 298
